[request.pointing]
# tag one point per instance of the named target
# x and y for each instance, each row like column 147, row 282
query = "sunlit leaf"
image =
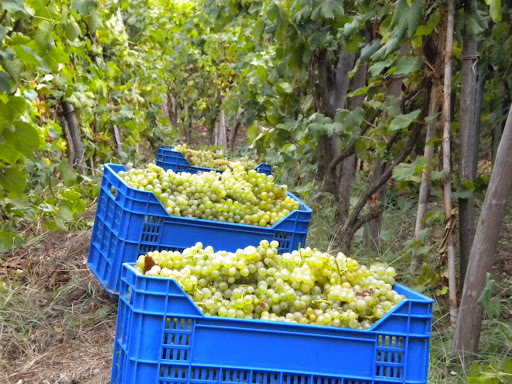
column 24, row 137
column 495, row 10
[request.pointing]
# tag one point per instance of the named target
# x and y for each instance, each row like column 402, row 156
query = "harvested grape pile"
column 210, row 159
column 235, row 196
column 306, row 286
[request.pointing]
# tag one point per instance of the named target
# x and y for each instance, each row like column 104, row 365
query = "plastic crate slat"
column 202, row 374
column 355, row 338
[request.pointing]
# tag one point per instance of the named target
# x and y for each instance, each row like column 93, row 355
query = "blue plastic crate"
column 167, row 158
column 162, row 337
column 130, row 222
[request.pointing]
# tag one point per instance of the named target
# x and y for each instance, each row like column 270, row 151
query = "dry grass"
column 57, row 324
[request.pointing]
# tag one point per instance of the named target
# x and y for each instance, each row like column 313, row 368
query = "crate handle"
column 129, row 295
column 112, row 192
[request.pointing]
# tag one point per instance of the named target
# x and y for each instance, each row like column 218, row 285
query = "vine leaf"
column 93, row 21
column 14, row 6
column 3, row 32
column 495, row 10
column 5, row 82
column 72, row 30
column 8, row 240
column 475, row 22
column 406, row 20
column 84, row 7
column 329, row 9
column 25, row 138
column 410, row 172
column 403, row 121
column 28, row 56
column 10, row 111
column 12, row 180
column 404, row 66
column 67, row 173
column 13, row 68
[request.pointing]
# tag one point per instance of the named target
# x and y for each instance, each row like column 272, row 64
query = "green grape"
column 305, row 286
column 210, row 159
column 236, row 195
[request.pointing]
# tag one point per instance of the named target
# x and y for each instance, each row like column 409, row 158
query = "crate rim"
column 306, row 209
column 422, row 299
column 171, row 147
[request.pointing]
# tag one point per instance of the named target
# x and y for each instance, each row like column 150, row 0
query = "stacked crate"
column 168, row 158
column 162, row 336
column 130, row 222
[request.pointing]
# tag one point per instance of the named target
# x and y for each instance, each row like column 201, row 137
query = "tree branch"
column 348, row 151
column 389, row 145
column 385, row 176
column 367, row 218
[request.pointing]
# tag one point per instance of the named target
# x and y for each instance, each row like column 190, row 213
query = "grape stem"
column 339, row 270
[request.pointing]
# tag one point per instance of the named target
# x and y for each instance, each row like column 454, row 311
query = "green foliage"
column 492, row 306
column 410, row 171
column 464, row 190
column 403, row 121
column 8, row 241
column 76, row 52
column 428, row 277
column 495, row 10
column 498, row 372
column 406, row 19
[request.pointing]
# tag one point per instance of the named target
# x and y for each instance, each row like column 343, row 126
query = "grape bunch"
column 305, row 286
column 234, row 196
column 211, row 159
